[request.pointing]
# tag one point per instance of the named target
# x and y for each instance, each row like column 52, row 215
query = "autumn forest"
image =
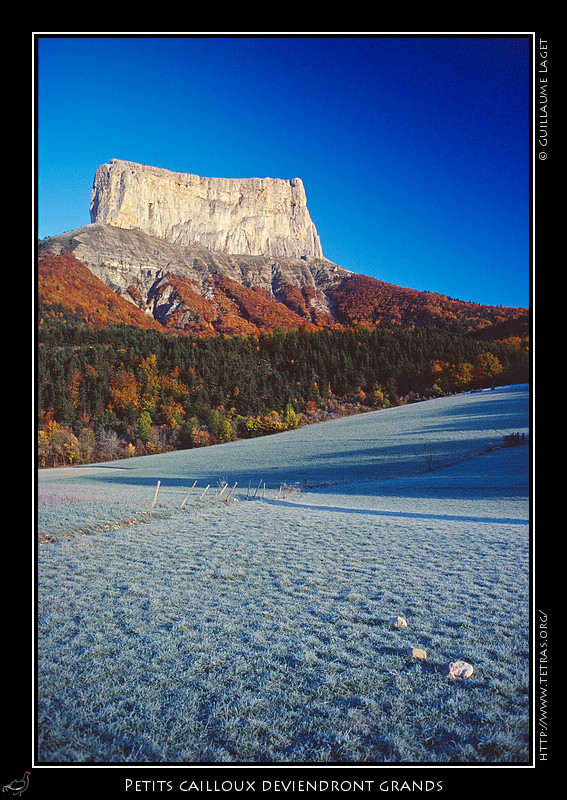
column 122, row 391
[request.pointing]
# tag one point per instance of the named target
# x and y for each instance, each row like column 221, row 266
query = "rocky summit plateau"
column 254, row 216
column 222, row 255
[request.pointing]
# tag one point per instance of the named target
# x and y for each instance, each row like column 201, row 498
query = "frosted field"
column 259, row 630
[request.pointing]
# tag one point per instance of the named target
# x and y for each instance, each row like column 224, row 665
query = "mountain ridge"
column 192, row 289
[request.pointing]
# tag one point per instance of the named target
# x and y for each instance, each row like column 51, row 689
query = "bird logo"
column 18, row 786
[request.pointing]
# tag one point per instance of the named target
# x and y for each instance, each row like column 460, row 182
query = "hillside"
column 65, row 283
column 362, row 299
column 261, row 628
column 111, row 275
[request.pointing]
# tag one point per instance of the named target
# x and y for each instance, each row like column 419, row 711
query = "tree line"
column 122, row 391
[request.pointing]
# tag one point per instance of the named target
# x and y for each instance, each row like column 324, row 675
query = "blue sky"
column 414, row 150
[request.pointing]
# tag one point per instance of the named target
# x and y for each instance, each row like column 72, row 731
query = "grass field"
column 259, row 630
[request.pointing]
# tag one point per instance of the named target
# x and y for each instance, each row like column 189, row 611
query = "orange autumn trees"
column 124, row 395
column 360, row 299
column 159, row 395
column 65, row 281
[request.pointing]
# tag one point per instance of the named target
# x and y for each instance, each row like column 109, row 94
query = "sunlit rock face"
column 193, row 288
column 252, row 216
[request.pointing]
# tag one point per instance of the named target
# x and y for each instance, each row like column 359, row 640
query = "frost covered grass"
column 259, row 631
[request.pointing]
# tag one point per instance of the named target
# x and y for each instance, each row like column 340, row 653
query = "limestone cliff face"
column 253, row 216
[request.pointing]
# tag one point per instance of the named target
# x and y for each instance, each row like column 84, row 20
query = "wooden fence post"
column 231, row 491
column 220, row 494
column 200, row 498
column 155, row 497
column 187, row 496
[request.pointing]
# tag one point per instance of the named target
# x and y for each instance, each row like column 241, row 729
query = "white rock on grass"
column 399, row 622
column 459, row 670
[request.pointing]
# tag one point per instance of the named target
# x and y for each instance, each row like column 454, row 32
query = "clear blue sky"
column 414, row 151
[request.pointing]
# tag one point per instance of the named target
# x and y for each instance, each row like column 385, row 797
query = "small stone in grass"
column 399, row 622
column 459, row 670
column 417, row 652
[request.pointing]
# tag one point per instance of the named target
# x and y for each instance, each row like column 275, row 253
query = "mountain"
column 251, row 216
column 212, row 256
